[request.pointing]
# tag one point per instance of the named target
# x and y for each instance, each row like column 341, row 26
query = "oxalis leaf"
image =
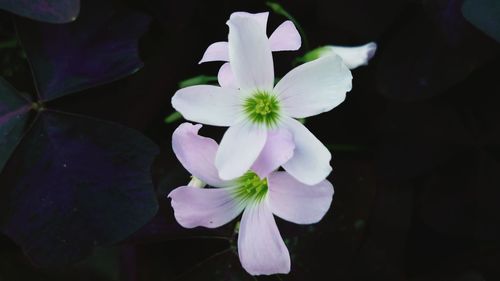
column 485, row 15
column 99, row 47
column 53, row 11
column 72, row 182
column 75, row 183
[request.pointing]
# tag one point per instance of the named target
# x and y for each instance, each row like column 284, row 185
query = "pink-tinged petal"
column 260, row 246
column 277, row 151
column 196, row 153
column 250, row 54
column 259, row 17
column 226, row 77
column 239, row 148
column 207, row 207
column 218, row 51
column 285, row 38
column 207, row 104
column 310, row 163
column 355, row 56
column 296, row 202
column 314, row 87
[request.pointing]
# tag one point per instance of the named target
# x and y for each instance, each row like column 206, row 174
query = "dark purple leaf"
column 13, row 119
column 433, row 49
column 485, row 15
column 75, row 183
column 99, row 47
column 53, row 11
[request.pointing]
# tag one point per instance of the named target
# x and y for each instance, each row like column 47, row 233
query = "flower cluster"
column 243, row 172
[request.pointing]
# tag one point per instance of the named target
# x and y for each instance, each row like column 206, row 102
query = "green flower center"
column 251, row 187
column 262, row 108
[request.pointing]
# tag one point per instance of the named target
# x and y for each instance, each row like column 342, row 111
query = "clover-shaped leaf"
column 102, row 48
column 72, row 182
column 53, row 11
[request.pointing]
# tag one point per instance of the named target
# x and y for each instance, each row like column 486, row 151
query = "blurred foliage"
column 54, row 11
column 485, row 15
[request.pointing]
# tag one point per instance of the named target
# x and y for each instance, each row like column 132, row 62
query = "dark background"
column 415, row 147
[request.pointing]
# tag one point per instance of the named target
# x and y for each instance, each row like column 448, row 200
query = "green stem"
column 174, row 116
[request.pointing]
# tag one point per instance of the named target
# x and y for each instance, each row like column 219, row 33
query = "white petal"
column 285, row 38
column 294, row 201
column 208, row 207
column 314, row 87
column 226, row 77
column 277, row 151
column 218, row 51
column 355, row 56
column 239, row 148
column 250, row 54
column 196, row 153
column 310, row 163
column 260, row 246
column 207, row 104
column 259, row 17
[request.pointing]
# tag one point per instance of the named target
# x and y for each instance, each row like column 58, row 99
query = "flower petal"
column 310, row 163
column 285, row 38
column 294, row 201
column 239, row 148
column 226, row 77
column 208, row 207
column 259, row 17
column 260, row 246
column 250, row 54
column 216, row 52
column 207, row 104
column 355, row 56
column 277, row 151
column 314, row 87
column 196, row 153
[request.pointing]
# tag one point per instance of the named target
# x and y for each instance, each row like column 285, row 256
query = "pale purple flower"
column 284, row 38
column 255, row 109
column 260, row 246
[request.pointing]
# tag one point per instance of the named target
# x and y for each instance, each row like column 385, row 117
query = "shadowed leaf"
column 75, row 183
column 53, row 11
column 99, row 47
column 434, row 49
column 485, row 15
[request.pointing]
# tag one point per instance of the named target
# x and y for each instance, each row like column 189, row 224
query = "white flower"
column 256, row 107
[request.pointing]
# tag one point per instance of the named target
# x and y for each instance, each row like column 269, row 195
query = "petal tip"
column 371, row 50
